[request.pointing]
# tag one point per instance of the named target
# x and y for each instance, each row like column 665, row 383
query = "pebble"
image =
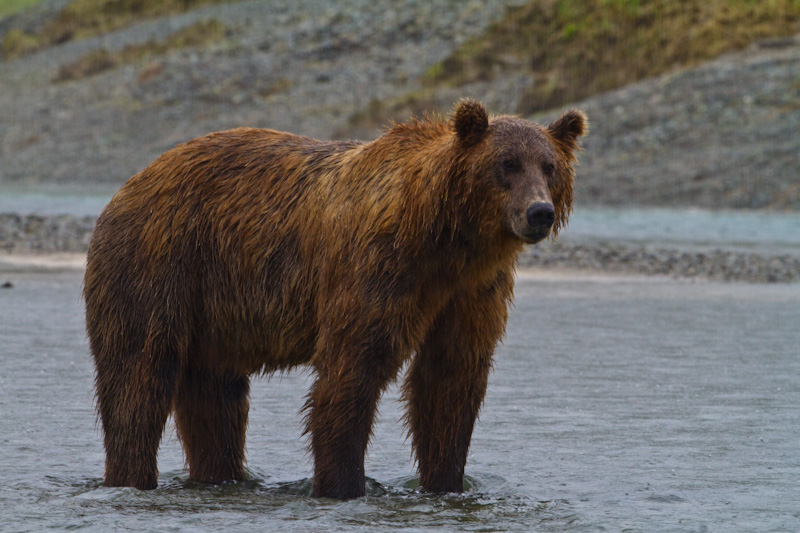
column 714, row 264
column 35, row 233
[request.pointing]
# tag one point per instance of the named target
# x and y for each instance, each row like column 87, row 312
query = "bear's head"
column 528, row 166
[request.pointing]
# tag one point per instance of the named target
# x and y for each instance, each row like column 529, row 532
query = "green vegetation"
column 17, row 43
column 9, row 7
column 99, row 60
column 84, row 18
column 576, row 48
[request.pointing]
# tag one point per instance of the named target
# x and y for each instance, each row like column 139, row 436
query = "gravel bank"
column 34, row 233
column 64, row 233
column 716, row 264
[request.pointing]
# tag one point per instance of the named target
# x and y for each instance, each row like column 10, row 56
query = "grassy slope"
column 9, row 7
column 101, row 59
column 576, row 48
column 84, row 18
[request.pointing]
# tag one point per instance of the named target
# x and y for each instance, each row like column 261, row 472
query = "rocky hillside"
column 721, row 135
column 724, row 135
column 300, row 65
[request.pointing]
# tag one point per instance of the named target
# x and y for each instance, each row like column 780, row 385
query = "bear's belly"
column 247, row 341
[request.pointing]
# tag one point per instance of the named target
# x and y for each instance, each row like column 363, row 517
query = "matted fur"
column 249, row 251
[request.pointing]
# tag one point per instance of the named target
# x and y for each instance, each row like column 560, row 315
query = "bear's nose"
column 541, row 214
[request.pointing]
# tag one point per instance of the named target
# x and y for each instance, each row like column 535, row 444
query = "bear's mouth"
column 533, row 236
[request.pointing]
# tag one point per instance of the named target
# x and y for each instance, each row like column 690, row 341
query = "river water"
column 617, row 403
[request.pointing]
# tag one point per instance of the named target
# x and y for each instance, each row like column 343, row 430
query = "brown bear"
column 250, row 251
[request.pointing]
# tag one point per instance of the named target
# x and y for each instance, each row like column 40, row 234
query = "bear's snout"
column 541, row 216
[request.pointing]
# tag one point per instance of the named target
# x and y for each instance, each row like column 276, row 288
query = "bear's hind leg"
column 134, row 396
column 211, row 417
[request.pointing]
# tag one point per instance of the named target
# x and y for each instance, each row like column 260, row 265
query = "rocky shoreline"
column 713, row 264
column 35, row 234
column 25, row 234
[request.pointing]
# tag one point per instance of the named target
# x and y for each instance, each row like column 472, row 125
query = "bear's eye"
column 510, row 165
column 549, row 169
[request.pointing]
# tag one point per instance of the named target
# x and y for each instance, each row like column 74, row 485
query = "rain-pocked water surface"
column 616, row 403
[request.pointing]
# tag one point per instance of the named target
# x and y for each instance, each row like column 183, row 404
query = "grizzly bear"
column 251, row 251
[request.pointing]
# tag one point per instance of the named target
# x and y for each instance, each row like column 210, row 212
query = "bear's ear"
column 470, row 121
column 567, row 128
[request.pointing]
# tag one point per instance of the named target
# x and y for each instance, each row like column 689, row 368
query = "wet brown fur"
column 250, row 251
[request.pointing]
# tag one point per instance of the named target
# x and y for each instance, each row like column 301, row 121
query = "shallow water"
column 616, row 404
column 52, row 199
column 757, row 231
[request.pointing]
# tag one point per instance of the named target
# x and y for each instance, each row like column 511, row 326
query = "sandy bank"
column 45, row 261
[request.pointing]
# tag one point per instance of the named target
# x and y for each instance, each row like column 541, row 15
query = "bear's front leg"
column 447, row 382
column 342, row 406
